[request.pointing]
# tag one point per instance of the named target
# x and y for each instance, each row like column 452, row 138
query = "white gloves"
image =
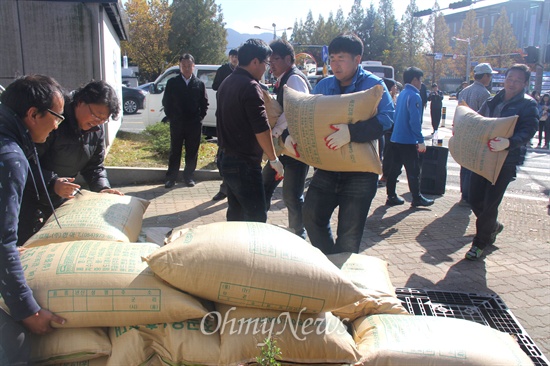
column 421, row 147
column 498, row 144
column 290, row 145
column 339, row 138
column 278, row 167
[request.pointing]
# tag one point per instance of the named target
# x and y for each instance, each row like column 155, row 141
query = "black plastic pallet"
column 486, row 309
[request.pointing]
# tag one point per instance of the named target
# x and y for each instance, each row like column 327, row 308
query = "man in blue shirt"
column 407, row 140
column 352, row 192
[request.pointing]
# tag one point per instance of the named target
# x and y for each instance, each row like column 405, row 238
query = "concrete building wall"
column 72, row 41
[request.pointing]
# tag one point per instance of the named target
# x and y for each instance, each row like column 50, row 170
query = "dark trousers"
column 387, row 155
column 293, row 190
column 219, row 157
column 245, row 191
column 485, row 199
column 543, row 128
column 465, row 176
column 188, row 133
column 15, row 344
column 435, row 113
column 407, row 155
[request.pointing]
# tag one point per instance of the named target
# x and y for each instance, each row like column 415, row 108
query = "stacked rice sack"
column 214, row 293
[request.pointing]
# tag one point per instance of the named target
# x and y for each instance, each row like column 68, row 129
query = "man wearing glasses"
column 77, row 146
column 31, row 107
column 485, row 197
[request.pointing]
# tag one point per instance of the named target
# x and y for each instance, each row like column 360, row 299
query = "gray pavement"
column 424, row 248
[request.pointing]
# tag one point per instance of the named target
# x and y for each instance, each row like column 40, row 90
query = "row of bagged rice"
column 214, row 293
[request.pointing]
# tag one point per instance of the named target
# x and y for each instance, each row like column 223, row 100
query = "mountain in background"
column 235, row 39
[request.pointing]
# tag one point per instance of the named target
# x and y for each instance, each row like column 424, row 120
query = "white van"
column 154, row 111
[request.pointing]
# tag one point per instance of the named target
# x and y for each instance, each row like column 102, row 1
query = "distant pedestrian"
column 474, row 95
column 462, row 86
column 223, row 71
column 384, row 141
column 244, row 134
column 436, row 104
column 544, row 121
column 185, row 103
column 424, row 96
column 407, row 141
column 486, row 197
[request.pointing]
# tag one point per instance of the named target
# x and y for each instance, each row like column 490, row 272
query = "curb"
column 122, row 176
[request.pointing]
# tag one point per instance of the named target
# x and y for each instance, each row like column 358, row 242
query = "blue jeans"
column 245, row 192
column 352, row 192
column 293, row 190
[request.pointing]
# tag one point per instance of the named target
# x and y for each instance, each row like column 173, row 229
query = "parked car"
column 145, row 87
column 132, row 100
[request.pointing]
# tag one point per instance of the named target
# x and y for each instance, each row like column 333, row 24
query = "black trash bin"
column 433, row 176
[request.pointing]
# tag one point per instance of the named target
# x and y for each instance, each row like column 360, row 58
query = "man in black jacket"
column 484, row 196
column 185, row 103
column 436, row 104
column 226, row 69
column 223, row 72
column 31, row 107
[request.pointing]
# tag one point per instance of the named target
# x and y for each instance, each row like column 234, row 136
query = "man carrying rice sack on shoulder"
column 484, row 196
column 352, row 192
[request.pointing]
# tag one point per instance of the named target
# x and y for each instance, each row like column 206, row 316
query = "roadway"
column 532, row 182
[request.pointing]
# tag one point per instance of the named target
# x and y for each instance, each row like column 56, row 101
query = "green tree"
column 472, row 31
column 502, row 41
column 413, row 29
column 149, row 26
column 198, row 29
column 390, row 41
column 355, row 18
column 437, row 33
column 308, row 28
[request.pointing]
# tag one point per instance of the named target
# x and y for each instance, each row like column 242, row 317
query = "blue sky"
column 243, row 15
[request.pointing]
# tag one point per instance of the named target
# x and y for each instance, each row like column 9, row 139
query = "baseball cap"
column 484, row 69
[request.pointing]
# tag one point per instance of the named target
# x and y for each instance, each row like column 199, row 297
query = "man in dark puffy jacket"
column 77, row 146
column 31, row 107
column 485, row 197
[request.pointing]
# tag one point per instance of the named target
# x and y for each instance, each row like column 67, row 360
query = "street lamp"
column 467, row 56
column 274, row 29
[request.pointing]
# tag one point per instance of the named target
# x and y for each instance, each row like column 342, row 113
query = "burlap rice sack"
column 305, row 339
column 429, row 340
column 69, row 345
column 94, row 216
column 370, row 275
column 189, row 342
column 309, row 118
column 100, row 283
column 273, row 110
column 468, row 145
column 252, row 264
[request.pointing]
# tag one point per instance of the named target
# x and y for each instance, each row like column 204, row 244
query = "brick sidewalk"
column 424, row 248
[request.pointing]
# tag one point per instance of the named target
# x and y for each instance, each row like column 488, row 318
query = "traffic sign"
column 325, row 54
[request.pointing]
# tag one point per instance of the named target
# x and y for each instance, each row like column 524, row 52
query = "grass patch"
column 131, row 149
